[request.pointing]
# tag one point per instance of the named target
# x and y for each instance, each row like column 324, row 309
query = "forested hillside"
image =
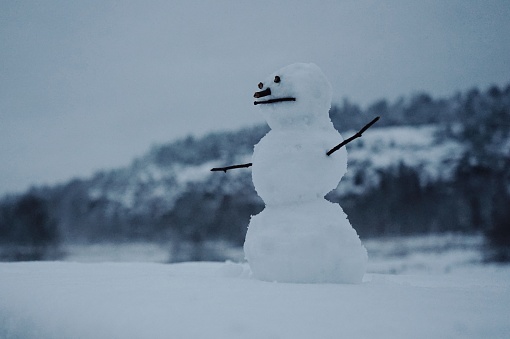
column 429, row 165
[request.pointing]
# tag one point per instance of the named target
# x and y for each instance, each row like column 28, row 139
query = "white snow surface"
column 220, row 300
column 310, row 242
column 292, row 166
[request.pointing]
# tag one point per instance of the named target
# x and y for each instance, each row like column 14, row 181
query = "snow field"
column 221, row 300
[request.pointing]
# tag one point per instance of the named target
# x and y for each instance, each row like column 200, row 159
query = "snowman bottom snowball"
column 305, row 243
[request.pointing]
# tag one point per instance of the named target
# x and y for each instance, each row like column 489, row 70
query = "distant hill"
column 429, row 165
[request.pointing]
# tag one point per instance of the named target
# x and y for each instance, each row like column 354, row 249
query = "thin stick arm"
column 357, row 135
column 225, row 169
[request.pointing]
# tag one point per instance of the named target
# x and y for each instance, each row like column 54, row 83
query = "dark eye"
column 277, row 79
column 260, row 85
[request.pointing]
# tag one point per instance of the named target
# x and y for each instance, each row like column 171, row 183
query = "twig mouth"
column 271, row 101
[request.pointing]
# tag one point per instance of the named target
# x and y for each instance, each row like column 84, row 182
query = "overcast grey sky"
column 89, row 85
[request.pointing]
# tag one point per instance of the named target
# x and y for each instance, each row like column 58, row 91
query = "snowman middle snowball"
column 299, row 236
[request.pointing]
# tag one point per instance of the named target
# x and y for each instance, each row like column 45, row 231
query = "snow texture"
column 292, row 166
column 310, row 242
column 299, row 236
column 219, row 300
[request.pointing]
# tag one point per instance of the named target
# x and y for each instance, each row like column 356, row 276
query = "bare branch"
column 357, row 135
column 225, row 169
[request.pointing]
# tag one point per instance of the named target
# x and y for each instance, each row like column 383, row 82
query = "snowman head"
column 297, row 96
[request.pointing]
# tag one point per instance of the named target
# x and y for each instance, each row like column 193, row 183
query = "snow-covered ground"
column 442, row 291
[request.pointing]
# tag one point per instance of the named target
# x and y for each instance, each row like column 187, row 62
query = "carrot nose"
column 263, row 93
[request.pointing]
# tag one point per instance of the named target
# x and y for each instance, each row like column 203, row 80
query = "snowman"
column 300, row 237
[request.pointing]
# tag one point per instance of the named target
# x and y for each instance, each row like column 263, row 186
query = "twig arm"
column 357, row 135
column 225, row 169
